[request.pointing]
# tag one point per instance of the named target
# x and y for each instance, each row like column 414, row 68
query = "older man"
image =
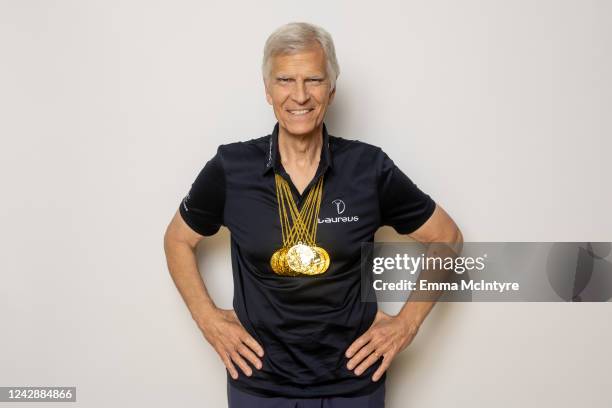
column 298, row 203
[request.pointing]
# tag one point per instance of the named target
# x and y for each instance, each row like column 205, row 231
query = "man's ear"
column 331, row 95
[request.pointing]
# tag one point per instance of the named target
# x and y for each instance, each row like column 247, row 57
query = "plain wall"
column 500, row 110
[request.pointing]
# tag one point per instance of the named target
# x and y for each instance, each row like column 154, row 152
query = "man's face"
column 298, row 90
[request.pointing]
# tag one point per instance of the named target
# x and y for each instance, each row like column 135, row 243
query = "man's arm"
column 389, row 335
column 439, row 228
column 220, row 327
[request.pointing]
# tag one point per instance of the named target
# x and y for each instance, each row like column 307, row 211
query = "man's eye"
column 283, row 79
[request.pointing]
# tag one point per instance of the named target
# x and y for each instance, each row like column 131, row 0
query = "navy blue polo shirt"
column 304, row 323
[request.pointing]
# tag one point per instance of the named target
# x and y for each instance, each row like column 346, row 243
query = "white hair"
column 295, row 37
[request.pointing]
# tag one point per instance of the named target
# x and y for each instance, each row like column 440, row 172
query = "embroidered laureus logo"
column 340, row 207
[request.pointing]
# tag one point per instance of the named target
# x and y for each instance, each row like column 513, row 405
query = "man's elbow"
column 458, row 236
column 456, row 239
column 446, row 231
column 450, row 235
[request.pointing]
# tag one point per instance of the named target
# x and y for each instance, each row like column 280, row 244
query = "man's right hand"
column 231, row 341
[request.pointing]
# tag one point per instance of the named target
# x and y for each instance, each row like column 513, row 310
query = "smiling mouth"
column 300, row 112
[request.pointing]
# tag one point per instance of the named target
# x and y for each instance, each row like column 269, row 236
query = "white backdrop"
column 500, row 110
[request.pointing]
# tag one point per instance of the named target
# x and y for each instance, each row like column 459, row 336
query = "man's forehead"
column 308, row 62
column 301, row 69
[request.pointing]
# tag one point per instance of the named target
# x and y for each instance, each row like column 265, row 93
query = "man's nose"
column 300, row 93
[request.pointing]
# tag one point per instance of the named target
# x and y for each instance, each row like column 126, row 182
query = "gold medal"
column 299, row 254
column 275, row 261
column 279, row 265
column 322, row 260
column 300, row 257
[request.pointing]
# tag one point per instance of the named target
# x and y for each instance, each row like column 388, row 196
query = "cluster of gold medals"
column 299, row 254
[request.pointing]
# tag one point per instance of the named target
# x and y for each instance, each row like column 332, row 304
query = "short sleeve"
column 202, row 207
column 403, row 205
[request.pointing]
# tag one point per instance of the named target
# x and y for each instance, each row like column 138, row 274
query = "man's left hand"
column 386, row 337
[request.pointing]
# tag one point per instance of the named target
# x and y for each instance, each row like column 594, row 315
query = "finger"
column 248, row 353
column 228, row 364
column 241, row 363
column 367, row 362
column 359, row 343
column 253, row 344
column 382, row 368
column 361, row 354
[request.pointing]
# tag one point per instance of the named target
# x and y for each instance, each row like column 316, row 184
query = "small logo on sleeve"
column 185, row 202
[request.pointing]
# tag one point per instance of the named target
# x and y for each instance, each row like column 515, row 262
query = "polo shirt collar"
column 272, row 156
